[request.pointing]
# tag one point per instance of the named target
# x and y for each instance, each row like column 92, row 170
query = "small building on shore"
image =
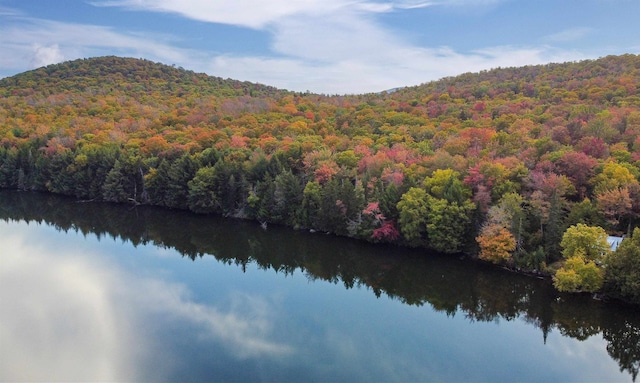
column 614, row 242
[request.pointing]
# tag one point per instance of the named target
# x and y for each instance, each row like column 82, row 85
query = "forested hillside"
column 529, row 167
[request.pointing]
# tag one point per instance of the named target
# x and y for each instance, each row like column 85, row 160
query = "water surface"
column 94, row 292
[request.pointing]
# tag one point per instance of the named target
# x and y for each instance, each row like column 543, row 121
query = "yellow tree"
column 589, row 242
column 614, row 176
column 578, row 275
column 584, row 248
column 496, row 244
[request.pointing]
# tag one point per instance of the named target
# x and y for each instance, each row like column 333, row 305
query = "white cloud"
column 244, row 329
column 42, row 42
column 415, row 5
column 569, row 35
column 260, row 13
column 582, row 353
column 5, row 11
column 336, row 46
column 57, row 321
column 43, row 56
column 248, row 13
column 468, row 3
column 325, row 46
column 68, row 315
column 398, row 66
column 341, row 37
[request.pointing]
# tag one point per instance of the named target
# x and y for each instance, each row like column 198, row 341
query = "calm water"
column 94, row 292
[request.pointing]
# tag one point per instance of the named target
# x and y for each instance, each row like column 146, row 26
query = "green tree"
column 412, row 210
column 585, row 212
column 261, row 200
column 230, row 187
column 287, row 198
column 590, row 242
column 553, row 229
column 311, row 201
column 124, row 182
column 157, row 181
column 91, row 165
column 584, row 247
column 60, row 178
column 449, row 211
column 202, row 192
column 341, row 202
column 446, row 184
column 179, row 174
column 448, row 224
column 389, row 199
column 8, row 170
column 622, row 277
column 116, row 187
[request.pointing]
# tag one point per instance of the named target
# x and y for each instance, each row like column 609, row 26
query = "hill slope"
column 498, row 164
column 126, row 74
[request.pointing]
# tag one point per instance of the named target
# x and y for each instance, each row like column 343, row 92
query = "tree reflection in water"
column 448, row 284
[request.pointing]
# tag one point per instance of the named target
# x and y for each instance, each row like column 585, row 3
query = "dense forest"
column 530, row 168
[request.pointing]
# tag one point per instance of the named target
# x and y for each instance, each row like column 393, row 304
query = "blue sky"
column 324, row 46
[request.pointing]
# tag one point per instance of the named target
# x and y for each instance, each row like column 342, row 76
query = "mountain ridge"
column 149, row 70
column 113, row 68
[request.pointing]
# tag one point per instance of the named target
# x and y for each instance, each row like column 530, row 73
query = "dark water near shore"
column 92, row 291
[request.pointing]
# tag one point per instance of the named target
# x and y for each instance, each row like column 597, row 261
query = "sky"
column 321, row 46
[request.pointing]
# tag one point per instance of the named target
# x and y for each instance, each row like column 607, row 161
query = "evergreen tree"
column 622, row 272
column 181, row 172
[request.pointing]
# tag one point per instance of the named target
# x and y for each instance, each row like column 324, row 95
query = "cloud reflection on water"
column 75, row 309
column 70, row 315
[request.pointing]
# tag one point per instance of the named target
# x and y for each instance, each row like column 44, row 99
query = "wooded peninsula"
column 535, row 168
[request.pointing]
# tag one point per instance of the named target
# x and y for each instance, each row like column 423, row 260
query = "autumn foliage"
column 496, row 244
column 512, row 157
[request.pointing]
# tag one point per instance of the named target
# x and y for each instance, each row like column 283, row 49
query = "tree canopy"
column 499, row 163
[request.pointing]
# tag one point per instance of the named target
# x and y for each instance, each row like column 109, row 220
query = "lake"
column 98, row 292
